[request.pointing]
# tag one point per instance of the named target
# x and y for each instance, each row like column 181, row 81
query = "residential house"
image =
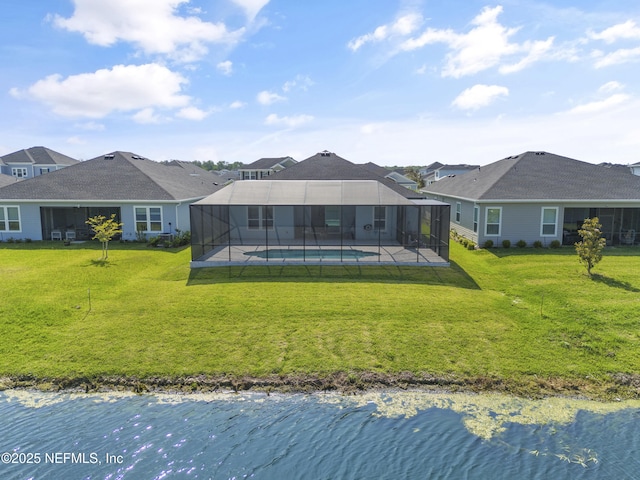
column 329, row 166
column 394, row 175
column 264, row 167
column 450, row 170
column 541, row 196
column 34, row 161
column 148, row 197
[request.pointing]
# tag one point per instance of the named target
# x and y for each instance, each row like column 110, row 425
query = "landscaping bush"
column 521, row 244
column 506, row 243
column 488, row 244
column 181, row 238
column 471, row 245
column 555, row 244
column 537, row 244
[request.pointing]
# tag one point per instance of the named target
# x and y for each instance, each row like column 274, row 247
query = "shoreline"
column 618, row 387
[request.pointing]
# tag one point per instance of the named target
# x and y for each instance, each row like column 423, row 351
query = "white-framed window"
column 380, row 218
column 259, row 217
column 250, row 175
column 458, row 211
column 549, row 222
column 44, row 170
column 148, row 219
column 19, row 172
column 476, row 214
column 10, row 219
column 493, row 221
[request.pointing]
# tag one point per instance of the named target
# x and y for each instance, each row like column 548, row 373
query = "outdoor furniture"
column 56, row 235
column 628, row 237
column 70, row 235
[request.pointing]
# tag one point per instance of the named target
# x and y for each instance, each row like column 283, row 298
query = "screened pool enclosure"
column 317, row 222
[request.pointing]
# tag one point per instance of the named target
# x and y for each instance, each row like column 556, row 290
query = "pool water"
column 335, row 254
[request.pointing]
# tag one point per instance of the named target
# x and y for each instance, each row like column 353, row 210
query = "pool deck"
column 385, row 254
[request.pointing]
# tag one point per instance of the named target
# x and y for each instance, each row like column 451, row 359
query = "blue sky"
column 390, row 81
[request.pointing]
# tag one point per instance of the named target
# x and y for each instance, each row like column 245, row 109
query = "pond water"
column 377, row 435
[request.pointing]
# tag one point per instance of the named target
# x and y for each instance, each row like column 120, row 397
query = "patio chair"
column 56, row 235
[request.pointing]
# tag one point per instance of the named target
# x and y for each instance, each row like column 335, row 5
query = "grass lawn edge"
column 617, row 388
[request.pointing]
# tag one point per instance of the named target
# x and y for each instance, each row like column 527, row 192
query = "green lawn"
column 520, row 315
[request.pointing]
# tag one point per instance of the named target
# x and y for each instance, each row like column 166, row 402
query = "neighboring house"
column 264, row 167
column 397, row 177
column 451, row 170
column 150, row 198
column 635, row 168
column 317, row 221
column 540, row 196
column 329, row 166
column 34, row 161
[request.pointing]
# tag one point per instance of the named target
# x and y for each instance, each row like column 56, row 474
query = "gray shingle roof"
column 6, row 180
column 116, row 176
column 540, row 176
column 329, row 166
column 38, row 156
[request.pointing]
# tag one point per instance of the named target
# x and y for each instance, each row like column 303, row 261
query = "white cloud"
column 251, row 7
column 479, row 96
column 301, row 82
column 484, row 46
column 146, row 116
column 121, row 88
column 267, row 98
column 600, row 105
column 622, row 31
column 624, row 55
column 403, row 26
column 192, row 113
column 294, row 121
column 611, row 87
column 226, row 67
column 237, row 104
column 153, row 26
column 536, row 51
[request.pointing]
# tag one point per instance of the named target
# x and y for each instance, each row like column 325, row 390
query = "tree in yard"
column 412, row 173
column 590, row 248
column 104, row 229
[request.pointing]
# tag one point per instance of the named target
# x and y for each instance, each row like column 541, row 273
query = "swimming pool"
column 328, row 254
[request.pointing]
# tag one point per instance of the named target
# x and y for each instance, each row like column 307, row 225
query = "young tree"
column 104, row 229
column 590, row 248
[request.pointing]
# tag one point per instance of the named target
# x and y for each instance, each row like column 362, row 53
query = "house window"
column 44, row 170
column 476, row 213
column 494, row 215
column 9, row 219
column 19, row 172
column 549, row 223
column 458, row 211
column 380, row 218
column 260, row 218
column 148, row 219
